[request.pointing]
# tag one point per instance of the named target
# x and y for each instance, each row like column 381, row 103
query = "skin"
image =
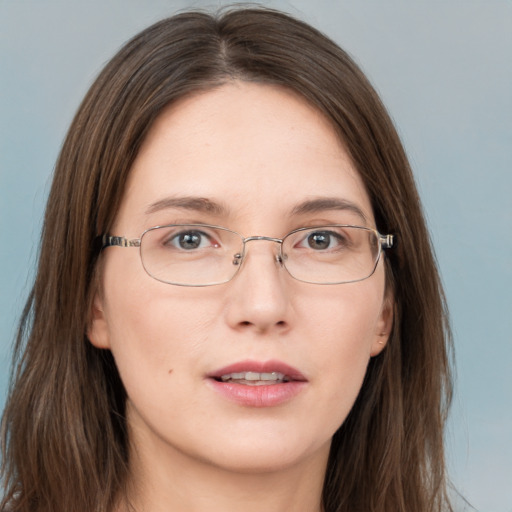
column 257, row 150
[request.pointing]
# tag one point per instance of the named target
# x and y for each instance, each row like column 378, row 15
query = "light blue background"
column 443, row 68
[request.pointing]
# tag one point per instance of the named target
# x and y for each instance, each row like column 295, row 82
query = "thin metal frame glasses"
column 207, row 255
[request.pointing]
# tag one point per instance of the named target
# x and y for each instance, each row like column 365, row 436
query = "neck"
column 175, row 482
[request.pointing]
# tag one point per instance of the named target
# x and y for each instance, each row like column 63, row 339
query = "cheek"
column 157, row 343
column 340, row 334
column 154, row 326
column 155, row 330
column 344, row 320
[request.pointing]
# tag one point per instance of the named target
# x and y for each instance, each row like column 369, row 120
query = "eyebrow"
column 205, row 205
column 198, row 204
column 328, row 203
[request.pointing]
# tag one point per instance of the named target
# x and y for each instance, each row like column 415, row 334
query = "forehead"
column 255, row 150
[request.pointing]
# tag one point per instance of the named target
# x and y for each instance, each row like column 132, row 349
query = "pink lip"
column 259, row 367
column 258, row 396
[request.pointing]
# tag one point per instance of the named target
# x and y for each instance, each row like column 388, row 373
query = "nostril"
column 247, row 323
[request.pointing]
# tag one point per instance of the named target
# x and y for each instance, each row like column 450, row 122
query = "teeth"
column 255, row 378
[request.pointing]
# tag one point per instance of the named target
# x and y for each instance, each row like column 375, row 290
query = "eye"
column 191, row 240
column 322, row 240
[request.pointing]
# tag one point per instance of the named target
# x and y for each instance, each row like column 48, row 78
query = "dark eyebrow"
column 328, row 203
column 198, row 204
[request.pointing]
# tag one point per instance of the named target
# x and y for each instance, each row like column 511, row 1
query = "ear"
column 384, row 325
column 97, row 328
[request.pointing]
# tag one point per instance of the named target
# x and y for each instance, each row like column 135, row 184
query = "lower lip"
column 258, row 396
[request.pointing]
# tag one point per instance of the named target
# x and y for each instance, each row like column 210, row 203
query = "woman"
column 236, row 302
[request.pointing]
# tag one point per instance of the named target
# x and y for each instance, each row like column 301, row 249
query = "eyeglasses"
column 206, row 255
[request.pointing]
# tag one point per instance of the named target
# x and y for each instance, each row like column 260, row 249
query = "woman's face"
column 261, row 161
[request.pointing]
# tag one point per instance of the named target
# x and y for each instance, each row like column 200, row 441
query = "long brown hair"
column 64, row 436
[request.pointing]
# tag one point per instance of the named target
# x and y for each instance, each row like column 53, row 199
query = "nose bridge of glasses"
column 266, row 238
column 238, row 257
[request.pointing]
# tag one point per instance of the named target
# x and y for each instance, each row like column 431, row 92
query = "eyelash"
column 175, row 237
column 333, row 237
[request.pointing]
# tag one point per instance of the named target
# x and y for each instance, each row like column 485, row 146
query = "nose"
column 259, row 296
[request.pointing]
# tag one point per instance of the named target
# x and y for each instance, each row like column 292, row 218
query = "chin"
column 267, row 453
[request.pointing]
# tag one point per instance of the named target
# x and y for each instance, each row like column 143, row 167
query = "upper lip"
column 259, row 367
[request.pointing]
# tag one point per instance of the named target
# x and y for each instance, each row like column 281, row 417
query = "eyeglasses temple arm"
column 119, row 241
column 386, row 241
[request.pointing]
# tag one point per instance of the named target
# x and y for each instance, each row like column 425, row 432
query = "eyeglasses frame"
column 385, row 242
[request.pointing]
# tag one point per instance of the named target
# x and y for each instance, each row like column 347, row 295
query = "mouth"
column 258, row 384
column 255, row 378
column 258, row 373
